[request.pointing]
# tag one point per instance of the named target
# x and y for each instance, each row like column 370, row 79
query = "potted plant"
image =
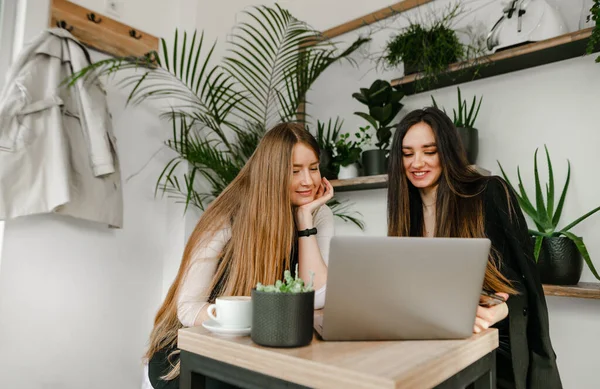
column 327, row 136
column 347, row 153
column 282, row 314
column 464, row 122
column 426, row 48
column 384, row 104
column 594, row 16
column 558, row 252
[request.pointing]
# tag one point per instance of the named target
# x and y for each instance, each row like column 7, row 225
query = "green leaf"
column 537, row 247
column 539, row 197
column 368, row 118
column 550, row 188
column 563, row 195
column 583, row 250
column 579, row 220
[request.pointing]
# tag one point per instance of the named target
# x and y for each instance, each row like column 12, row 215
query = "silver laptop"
column 392, row 288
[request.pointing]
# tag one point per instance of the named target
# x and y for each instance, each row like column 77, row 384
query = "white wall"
column 77, row 299
column 554, row 105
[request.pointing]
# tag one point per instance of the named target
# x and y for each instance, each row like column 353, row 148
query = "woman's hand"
column 487, row 317
column 304, row 212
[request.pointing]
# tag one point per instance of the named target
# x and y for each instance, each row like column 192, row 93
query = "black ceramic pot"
column 559, row 262
column 326, row 165
column 374, row 162
column 470, row 140
column 282, row 319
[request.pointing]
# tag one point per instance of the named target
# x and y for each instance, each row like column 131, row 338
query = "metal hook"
column 133, row 34
column 63, row 24
column 92, row 18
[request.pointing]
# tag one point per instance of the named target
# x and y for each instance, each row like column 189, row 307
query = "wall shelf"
column 556, row 49
column 586, row 290
column 374, row 182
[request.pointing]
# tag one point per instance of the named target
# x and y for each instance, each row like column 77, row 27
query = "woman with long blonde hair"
column 433, row 192
column 249, row 234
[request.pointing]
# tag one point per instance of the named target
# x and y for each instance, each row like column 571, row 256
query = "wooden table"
column 384, row 364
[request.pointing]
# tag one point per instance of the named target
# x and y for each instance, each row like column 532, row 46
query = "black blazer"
column 533, row 358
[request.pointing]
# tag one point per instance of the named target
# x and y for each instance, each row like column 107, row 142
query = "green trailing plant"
column 384, row 105
column 220, row 111
column 544, row 214
column 426, row 47
column 429, row 45
column 595, row 37
column 466, row 115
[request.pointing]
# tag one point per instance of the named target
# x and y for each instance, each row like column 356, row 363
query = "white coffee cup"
column 232, row 311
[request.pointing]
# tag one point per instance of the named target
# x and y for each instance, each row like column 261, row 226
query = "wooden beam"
column 102, row 33
column 373, row 17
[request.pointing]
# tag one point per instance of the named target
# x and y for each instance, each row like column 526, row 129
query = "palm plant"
column 544, row 215
column 220, row 112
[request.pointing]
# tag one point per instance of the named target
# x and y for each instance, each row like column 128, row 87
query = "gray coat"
column 57, row 148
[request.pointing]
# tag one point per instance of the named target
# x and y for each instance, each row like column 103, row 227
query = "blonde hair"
column 258, row 208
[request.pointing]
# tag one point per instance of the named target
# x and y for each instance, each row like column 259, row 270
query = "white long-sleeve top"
column 195, row 290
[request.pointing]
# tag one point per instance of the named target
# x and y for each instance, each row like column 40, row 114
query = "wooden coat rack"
column 101, row 32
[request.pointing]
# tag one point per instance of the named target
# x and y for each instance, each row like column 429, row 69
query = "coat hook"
column 133, row 33
column 92, row 18
column 63, row 24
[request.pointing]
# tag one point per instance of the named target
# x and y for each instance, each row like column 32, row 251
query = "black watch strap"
column 308, row 232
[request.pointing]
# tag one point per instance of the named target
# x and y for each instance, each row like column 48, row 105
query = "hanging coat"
column 57, row 148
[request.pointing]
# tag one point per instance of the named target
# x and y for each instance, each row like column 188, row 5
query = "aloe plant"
column 220, row 109
column 544, row 214
column 466, row 115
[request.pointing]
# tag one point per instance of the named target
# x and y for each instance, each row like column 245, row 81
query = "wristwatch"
column 307, row 232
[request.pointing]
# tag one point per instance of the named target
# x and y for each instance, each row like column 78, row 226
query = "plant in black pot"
column 327, row 137
column 282, row 314
column 384, row 104
column 427, row 47
column 558, row 252
column 464, row 121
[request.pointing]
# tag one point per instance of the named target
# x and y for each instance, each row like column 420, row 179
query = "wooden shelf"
column 374, row 182
column 586, row 290
column 527, row 56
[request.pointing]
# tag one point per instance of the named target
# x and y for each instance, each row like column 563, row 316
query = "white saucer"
column 215, row 327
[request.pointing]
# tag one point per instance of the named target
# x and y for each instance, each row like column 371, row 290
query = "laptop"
column 395, row 288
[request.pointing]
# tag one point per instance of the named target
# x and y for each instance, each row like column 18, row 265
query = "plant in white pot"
column 558, row 252
column 464, row 121
column 347, row 152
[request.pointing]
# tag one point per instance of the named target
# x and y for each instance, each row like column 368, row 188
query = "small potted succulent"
column 282, row 314
column 464, row 122
column 384, row 104
column 558, row 252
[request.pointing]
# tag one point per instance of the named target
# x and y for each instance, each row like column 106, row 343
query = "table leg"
column 488, row 379
column 189, row 379
column 479, row 375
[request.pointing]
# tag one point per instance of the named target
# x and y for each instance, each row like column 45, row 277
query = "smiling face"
column 306, row 177
column 420, row 157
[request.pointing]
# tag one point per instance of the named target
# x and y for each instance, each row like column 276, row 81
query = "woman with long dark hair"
column 433, row 192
